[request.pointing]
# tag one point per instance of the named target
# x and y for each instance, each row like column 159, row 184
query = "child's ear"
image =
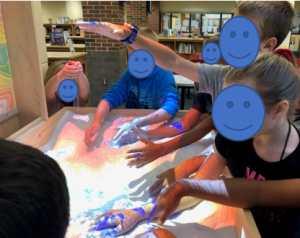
column 281, row 109
column 268, row 45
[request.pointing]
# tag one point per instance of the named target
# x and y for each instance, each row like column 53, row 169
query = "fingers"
column 102, row 222
column 135, row 161
column 163, row 217
column 145, row 141
column 116, row 137
column 134, row 151
column 89, row 134
column 142, row 164
column 134, row 155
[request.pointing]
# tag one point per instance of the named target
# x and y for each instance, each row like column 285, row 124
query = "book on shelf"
column 186, row 48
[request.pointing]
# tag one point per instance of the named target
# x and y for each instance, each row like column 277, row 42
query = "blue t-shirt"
column 159, row 90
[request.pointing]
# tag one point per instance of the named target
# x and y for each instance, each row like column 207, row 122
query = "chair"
column 196, row 58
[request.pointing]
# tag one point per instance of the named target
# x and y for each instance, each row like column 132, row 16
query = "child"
column 57, row 72
column 273, row 21
column 34, row 198
column 157, row 91
column 202, row 105
column 273, row 154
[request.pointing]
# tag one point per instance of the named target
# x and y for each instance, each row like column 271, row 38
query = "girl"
column 57, row 72
column 273, row 154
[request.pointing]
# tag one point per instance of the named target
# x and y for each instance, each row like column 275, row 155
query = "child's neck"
column 276, row 137
column 269, row 146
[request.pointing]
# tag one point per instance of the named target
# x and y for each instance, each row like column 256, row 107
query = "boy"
column 202, row 105
column 34, row 198
column 157, row 91
column 273, row 21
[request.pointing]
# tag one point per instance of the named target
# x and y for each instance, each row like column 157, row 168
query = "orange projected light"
column 99, row 180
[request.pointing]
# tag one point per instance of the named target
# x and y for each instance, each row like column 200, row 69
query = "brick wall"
column 137, row 15
column 106, row 58
column 153, row 19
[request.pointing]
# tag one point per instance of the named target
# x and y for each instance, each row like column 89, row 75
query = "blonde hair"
column 276, row 79
column 275, row 17
column 149, row 33
column 54, row 68
column 214, row 38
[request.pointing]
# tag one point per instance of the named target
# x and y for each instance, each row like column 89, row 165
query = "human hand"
column 71, row 70
column 144, row 155
column 122, row 220
column 123, row 129
column 131, row 137
column 165, row 179
column 91, row 133
column 109, row 30
column 167, row 203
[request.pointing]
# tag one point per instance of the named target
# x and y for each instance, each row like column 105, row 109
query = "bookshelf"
column 192, row 45
column 76, row 35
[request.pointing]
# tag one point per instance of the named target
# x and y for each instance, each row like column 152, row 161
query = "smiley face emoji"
column 140, row 64
column 211, row 53
column 68, row 90
column 238, row 113
column 239, row 42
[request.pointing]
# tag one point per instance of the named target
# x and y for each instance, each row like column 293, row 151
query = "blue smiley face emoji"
column 68, row 90
column 239, row 42
column 211, row 53
column 238, row 113
column 140, row 64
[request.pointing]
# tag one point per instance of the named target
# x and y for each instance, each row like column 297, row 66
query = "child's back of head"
column 275, row 79
column 148, row 33
column 34, row 199
column 274, row 17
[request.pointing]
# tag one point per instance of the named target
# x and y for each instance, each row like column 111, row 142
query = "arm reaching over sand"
column 151, row 151
column 124, row 220
column 164, row 56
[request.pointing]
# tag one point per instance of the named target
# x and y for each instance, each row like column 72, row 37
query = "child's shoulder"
column 158, row 72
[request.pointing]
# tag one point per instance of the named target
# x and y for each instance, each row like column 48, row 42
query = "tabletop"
column 183, row 81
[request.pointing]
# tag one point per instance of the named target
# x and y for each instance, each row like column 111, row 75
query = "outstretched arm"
column 151, row 151
column 164, row 56
column 176, row 128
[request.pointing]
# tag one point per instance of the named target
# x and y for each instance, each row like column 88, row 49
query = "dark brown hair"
column 276, row 79
column 275, row 17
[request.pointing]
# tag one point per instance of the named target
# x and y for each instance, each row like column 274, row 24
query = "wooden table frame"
column 43, row 131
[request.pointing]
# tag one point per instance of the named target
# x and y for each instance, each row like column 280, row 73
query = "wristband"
column 130, row 39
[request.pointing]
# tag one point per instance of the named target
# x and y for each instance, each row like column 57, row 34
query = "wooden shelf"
column 72, row 37
column 172, row 41
column 58, row 24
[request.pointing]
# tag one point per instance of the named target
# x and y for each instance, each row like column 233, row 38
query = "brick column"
column 106, row 58
column 153, row 19
column 137, row 15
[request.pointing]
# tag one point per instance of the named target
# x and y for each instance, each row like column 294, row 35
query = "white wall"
column 205, row 6
column 74, row 9
column 55, row 9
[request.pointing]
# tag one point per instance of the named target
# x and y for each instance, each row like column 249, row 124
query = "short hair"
column 34, row 198
column 214, row 38
column 149, row 33
column 275, row 17
column 54, row 68
column 275, row 78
